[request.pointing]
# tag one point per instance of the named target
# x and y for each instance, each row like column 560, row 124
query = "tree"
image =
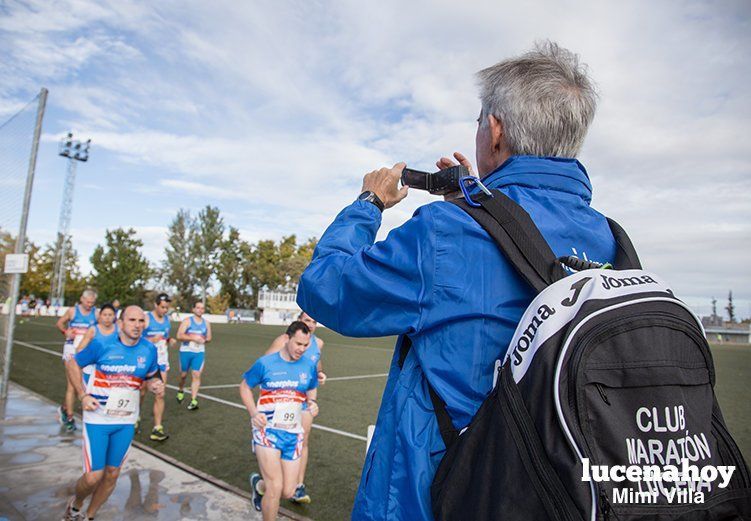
column 261, row 268
column 730, row 308
column 217, row 304
column 38, row 280
column 178, row 267
column 120, row 270
column 302, row 258
column 273, row 264
column 205, row 246
column 7, row 245
column 230, row 269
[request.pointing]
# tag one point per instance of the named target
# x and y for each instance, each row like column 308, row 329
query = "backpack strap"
column 625, row 253
column 518, row 238
column 449, row 434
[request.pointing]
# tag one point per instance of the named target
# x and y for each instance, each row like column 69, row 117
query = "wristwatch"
column 371, row 197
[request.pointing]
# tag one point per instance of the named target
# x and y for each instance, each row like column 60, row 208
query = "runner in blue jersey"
column 110, row 401
column 74, row 324
column 105, row 328
column 194, row 333
column 158, row 333
column 288, row 384
column 314, row 354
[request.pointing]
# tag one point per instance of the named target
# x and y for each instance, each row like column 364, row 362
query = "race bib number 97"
column 122, row 403
column 287, row 416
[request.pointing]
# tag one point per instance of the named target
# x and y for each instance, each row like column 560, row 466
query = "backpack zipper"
column 558, row 502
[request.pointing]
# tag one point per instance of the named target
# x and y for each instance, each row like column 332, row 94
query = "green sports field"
column 215, row 439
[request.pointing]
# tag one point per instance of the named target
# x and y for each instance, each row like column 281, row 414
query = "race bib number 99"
column 287, row 416
column 122, row 403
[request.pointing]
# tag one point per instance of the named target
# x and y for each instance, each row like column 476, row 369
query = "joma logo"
column 614, row 282
column 525, row 340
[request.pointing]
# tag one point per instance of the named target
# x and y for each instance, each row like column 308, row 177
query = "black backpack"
column 606, row 367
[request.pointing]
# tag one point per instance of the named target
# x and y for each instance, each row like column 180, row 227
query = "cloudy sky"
column 273, row 111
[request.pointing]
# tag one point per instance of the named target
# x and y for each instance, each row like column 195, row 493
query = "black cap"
column 162, row 297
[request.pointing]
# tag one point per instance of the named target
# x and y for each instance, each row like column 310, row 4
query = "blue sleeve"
column 254, row 375
column 89, row 354
column 358, row 288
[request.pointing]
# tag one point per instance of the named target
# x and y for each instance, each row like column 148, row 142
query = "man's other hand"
column 156, row 386
column 445, row 162
column 385, row 184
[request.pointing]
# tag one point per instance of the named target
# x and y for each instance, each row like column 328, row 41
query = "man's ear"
column 496, row 134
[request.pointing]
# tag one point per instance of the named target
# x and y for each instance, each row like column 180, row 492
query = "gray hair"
column 543, row 98
column 89, row 293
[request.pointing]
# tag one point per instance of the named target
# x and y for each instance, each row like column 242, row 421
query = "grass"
column 216, row 438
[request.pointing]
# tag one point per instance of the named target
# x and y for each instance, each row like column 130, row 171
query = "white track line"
column 208, row 397
column 223, row 386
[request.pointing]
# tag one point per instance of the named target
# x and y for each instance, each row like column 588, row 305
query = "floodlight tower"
column 75, row 151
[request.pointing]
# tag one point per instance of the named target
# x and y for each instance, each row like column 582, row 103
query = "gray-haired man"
column 74, row 324
column 441, row 282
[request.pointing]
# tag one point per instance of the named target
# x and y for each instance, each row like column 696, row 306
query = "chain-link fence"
column 19, row 141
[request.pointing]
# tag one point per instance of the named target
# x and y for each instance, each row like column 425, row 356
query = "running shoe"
column 254, row 479
column 193, row 405
column 72, row 514
column 70, row 425
column 157, row 434
column 137, row 425
column 62, row 416
column 301, row 495
column 180, row 396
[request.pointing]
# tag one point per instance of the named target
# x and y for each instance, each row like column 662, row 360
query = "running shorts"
column 288, row 443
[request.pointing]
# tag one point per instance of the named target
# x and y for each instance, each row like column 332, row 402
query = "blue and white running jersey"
column 158, row 332
column 283, row 389
column 101, row 337
column 313, row 352
column 118, row 374
column 194, row 328
column 81, row 323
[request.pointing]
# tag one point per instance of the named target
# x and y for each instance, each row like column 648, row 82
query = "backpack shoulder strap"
column 449, row 434
column 625, row 254
column 517, row 236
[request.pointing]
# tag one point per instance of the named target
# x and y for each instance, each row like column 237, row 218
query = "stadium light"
column 74, row 150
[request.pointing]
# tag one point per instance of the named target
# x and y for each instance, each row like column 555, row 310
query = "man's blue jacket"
column 440, row 279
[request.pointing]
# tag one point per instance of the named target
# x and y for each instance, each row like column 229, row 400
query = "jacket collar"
column 552, row 173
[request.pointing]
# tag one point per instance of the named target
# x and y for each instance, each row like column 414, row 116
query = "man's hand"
column 321, row 378
column 70, row 334
column 258, row 420
column 89, row 403
column 385, row 184
column 445, row 162
column 198, row 339
column 156, row 386
column 313, row 408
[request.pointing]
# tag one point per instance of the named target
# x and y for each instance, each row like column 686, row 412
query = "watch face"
column 365, row 196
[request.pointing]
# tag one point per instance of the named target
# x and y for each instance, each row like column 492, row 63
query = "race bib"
column 287, row 416
column 122, row 402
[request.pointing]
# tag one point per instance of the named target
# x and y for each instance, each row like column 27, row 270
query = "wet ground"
column 39, row 464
